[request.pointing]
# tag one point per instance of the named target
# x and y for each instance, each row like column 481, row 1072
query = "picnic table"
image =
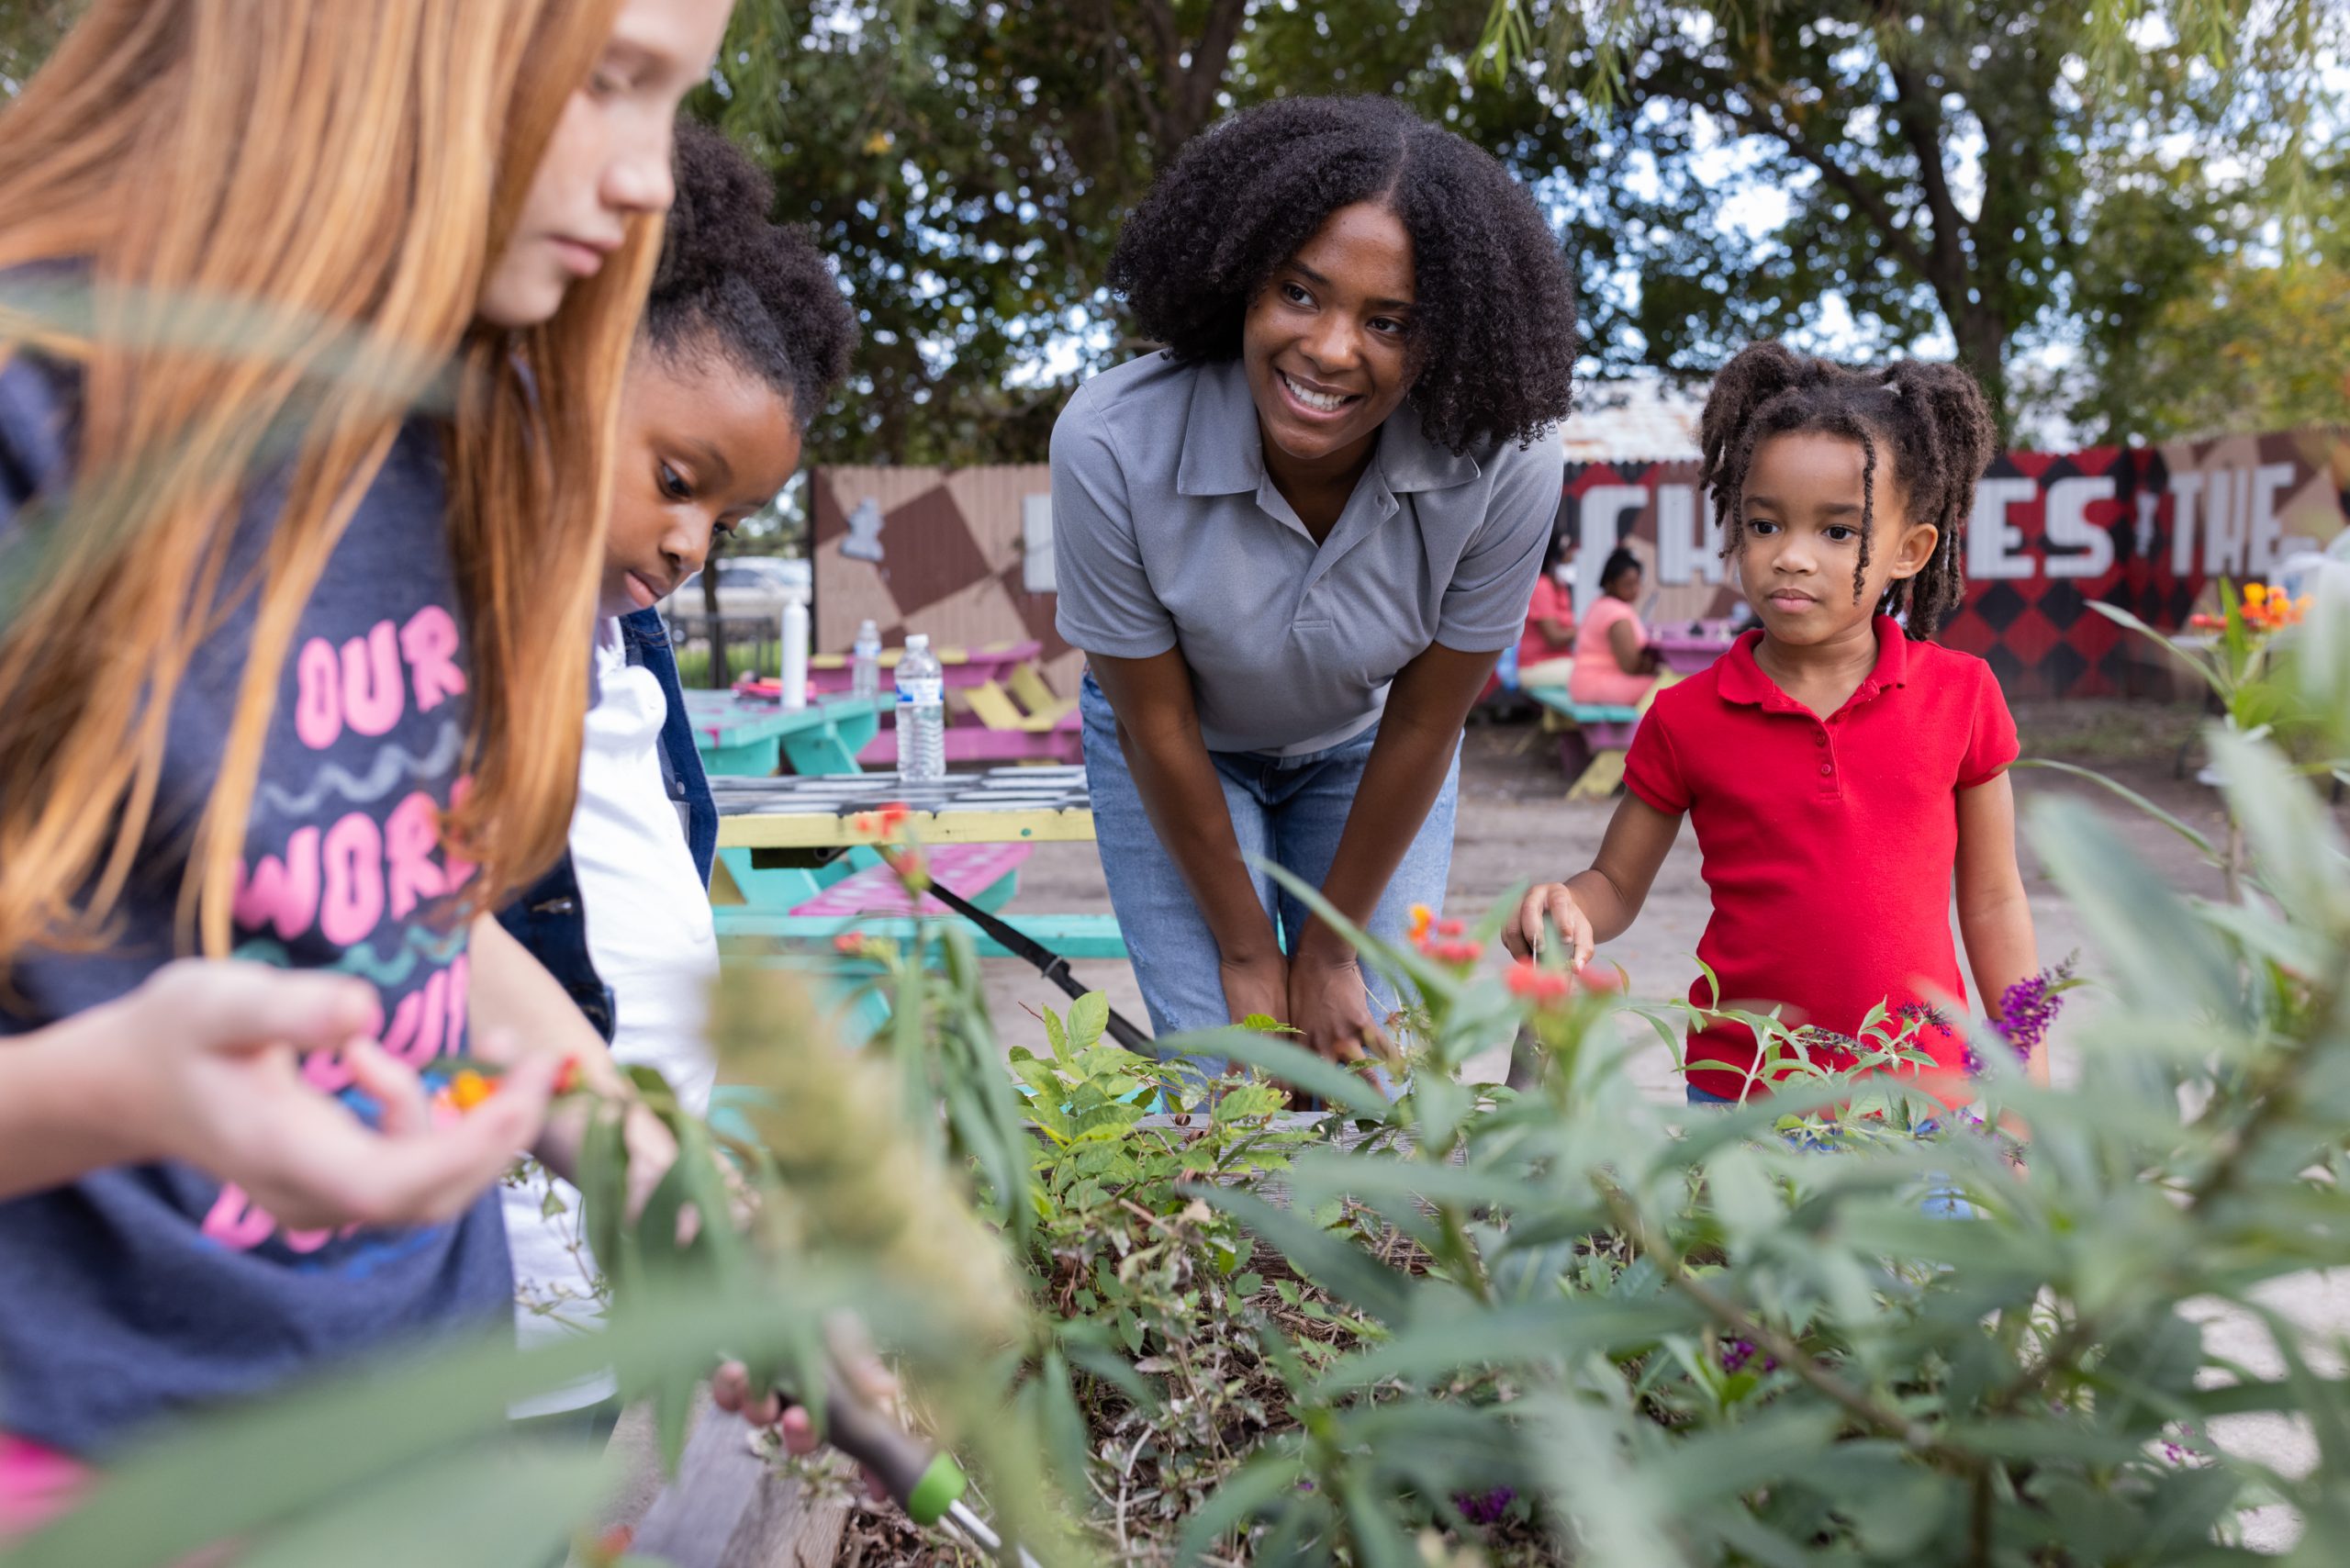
column 974, row 665
column 1024, row 805
column 786, row 845
column 1688, row 646
column 742, row 733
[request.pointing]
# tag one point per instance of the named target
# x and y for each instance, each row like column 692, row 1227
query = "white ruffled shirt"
column 653, row 942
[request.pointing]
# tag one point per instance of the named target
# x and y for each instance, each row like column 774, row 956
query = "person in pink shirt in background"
column 1614, row 666
column 1546, row 651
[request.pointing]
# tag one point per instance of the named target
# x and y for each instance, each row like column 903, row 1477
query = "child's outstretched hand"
column 1551, row 900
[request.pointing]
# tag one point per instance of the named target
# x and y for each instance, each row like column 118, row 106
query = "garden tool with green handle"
column 695, row 1521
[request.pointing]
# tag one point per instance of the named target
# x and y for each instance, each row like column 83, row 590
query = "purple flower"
column 1923, row 1016
column 1486, row 1507
column 2026, row 1010
column 1736, row 1353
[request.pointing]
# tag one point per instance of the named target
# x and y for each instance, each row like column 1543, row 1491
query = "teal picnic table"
column 745, row 736
column 785, row 843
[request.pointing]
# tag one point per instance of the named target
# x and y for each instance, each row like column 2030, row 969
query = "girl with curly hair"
column 744, row 338
column 1294, row 545
column 312, row 320
column 1842, row 770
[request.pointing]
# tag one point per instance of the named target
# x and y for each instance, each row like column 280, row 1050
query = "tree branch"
column 1920, row 117
column 1862, row 194
column 1211, row 57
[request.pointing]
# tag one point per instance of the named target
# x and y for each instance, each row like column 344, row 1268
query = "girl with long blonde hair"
column 312, row 323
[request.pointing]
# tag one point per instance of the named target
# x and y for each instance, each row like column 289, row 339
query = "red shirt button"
column 1826, row 767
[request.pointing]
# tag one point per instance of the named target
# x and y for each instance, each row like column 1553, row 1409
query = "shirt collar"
column 1744, row 680
column 1223, row 452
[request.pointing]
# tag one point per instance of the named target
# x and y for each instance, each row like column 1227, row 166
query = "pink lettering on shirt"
column 317, row 694
column 281, row 894
column 430, row 641
column 373, row 692
column 411, row 835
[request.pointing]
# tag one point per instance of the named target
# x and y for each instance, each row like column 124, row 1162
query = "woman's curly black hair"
column 1495, row 321
column 1931, row 419
column 731, row 283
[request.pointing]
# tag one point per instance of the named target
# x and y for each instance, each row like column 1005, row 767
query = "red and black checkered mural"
column 2146, row 528
column 944, row 553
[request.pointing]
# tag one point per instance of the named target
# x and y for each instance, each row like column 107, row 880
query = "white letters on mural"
column 1994, row 543
column 2078, row 548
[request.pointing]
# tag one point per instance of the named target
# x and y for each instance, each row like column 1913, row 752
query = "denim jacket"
column 547, row 918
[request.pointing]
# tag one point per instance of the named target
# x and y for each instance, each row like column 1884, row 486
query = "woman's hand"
column 1256, row 988
column 1329, row 1007
column 1524, row 936
column 203, row 1064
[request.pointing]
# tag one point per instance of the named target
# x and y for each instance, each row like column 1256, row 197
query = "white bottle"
column 865, row 662
column 795, row 650
column 921, row 714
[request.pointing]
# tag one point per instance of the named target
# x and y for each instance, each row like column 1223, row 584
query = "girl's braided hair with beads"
column 1931, row 420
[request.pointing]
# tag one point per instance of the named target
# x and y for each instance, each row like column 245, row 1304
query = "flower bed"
column 1556, row 1325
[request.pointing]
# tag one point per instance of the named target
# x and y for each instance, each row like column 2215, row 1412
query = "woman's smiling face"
column 1327, row 342
column 703, row 444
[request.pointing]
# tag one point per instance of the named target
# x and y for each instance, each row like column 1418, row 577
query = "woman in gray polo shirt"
column 1294, row 545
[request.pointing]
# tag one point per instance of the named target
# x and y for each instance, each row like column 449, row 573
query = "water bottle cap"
column 917, row 640
column 866, row 629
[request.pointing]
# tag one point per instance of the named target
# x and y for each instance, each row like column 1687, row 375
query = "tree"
column 969, row 161
column 2205, row 314
column 1940, row 163
column 29, row 30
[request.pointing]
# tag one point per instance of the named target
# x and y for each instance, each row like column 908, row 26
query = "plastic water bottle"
column 921, row 714
column 795, row 651
column 865, row 662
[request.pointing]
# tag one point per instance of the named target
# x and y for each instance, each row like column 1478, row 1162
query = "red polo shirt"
column 1829, row 844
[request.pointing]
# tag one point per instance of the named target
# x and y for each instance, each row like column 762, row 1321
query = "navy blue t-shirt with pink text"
column 139, row 1293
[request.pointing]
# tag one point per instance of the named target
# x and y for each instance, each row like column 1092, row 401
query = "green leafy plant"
column 1467, row 1323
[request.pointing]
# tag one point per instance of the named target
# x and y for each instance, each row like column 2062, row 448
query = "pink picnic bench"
column 981, row 873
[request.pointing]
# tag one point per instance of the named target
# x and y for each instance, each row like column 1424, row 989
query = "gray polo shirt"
column 1169, row 534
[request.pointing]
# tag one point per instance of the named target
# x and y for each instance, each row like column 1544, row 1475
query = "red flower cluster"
column 2263, row 608
column 1542, row 987
column 1441, row 939
column 858, row 945
column 881, row 823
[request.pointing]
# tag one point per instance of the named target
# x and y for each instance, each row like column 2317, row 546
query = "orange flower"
column 2266, row 609
column 1423, row 917
column 467, row 1090
column 566, row 1077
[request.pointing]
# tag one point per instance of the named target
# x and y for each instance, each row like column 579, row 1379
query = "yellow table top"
column 1001, row 805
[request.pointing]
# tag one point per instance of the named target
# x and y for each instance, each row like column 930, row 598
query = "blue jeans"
column 1938, row 1203
column 1288, row 810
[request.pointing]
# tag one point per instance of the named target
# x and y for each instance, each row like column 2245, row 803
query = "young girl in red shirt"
column 1842, row 770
